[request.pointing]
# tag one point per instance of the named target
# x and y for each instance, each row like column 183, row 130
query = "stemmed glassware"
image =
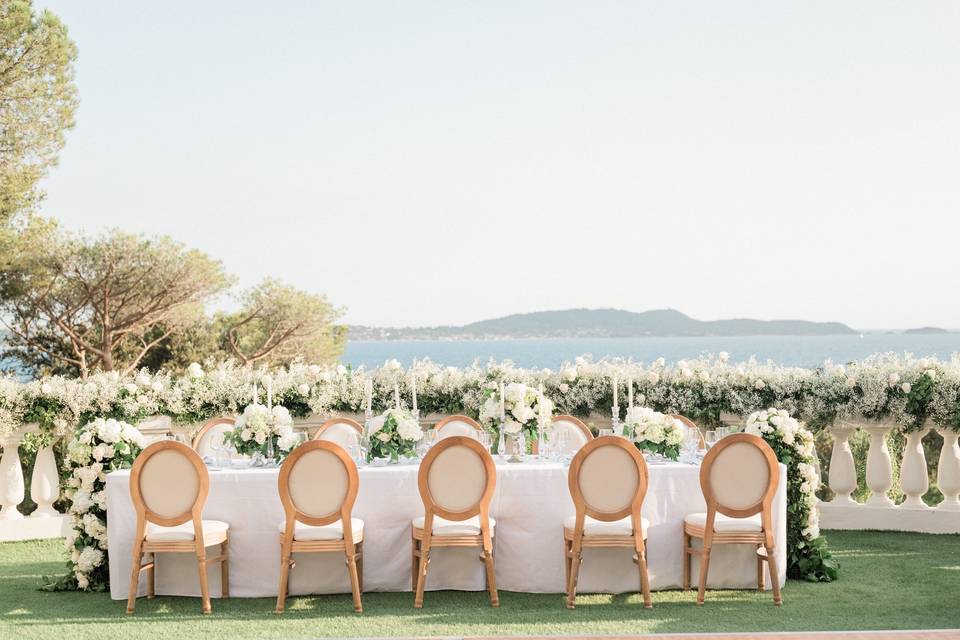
column 219, row 448
column 691, row 443
column 711, row 438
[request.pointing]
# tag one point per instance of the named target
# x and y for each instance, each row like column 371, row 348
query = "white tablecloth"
column 530, row 504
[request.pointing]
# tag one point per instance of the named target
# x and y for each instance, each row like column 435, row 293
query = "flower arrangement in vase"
column 261, row 431
column 654, row 431
column 517, row 409
column 393, row 434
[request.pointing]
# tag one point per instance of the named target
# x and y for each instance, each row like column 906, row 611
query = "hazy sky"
column 431, row 163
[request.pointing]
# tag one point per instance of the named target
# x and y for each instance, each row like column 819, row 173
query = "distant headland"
column 601, row 323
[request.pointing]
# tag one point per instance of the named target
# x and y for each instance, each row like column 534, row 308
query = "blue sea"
column 806, row 351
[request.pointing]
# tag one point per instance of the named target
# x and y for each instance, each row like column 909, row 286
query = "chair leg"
column 204, row 586
column 704, row 568
column 359, row 556
column 760, row 580
column 225, row 569
column 284, row 577
column 774, row 578
column 414, row 563
column 151, row 577
column 576, row 558
column 135, row 576
column 566, row 561
column 354, row 582
column 644, row 578
column 421, row 575
column 491, row 578
column 686, row 561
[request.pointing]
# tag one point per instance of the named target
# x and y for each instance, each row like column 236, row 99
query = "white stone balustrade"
column 45, row 521
column 879, row 510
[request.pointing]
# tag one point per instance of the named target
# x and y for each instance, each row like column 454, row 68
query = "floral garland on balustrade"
column 808, row 557
column 98, row 447
column 909, row 392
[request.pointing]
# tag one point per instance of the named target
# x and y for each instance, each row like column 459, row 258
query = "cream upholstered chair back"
column 457, row 478
column 739, row 475
column 169, row 483
column 578, row 434
column 210, row 430
column 608, row 479
column 458, row 425
column 318, row 483
column 342, row 431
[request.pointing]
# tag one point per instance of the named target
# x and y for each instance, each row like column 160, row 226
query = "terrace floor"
column 888, row 581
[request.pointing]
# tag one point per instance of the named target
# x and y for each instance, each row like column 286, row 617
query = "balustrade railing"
column 879, row 511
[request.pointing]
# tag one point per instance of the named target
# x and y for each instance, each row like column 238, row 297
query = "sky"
column 425, row 163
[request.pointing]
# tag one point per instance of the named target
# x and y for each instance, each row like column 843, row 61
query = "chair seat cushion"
column 184, row 532
column 726, row 524
column 592, row 527
column 334, row 531
column 468, row 527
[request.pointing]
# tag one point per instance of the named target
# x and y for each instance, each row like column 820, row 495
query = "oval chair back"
column 342, row 431
column 169, row 485
column 458, row 425
column 608, row 480
column 210, row 430
column 739, row 477
column 456, row 480
column 318, row 485
column 578, row 433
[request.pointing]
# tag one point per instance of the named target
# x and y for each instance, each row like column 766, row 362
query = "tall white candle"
column 369, row 390
column 256, row 400
column 269, row 393
column 503, row 409
column 396, row 394
column 630, row 392
column 413, row 390
column 616, row 383
column 540, row 403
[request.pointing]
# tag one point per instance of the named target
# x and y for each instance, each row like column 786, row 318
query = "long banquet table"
column 529, row 505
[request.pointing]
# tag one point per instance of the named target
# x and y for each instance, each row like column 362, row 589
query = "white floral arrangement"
column 522, row 408
column 393, row 434
column 794, row 446
column 654, row 431
column 98, row 447
column 259, row 425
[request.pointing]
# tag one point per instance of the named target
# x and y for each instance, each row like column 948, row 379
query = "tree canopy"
column 38, row 98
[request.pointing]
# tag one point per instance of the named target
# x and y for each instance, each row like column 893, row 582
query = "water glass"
column 722, row 432
column 606, row 432
column 691, row 444
column 711, row 438
column 217, row 445
column 485, row 440
column 563, row 441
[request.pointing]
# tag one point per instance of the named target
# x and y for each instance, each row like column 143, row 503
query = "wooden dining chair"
column 343, row 431
column 690, row 425
column 209, row 430
column 739, row 478
column 458, row 425
column 578, row 433
column 608, row 481
column 169, row 485
column 318, row 486
column 456, row 479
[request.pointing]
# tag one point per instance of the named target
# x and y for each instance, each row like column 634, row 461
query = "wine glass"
column 691, row 443
column 485, row 440
column 563, row 441
column 217, row 445
column 711, row 438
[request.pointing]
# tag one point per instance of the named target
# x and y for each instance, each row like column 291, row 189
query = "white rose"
column 341, row 369
column 45, row 388
column 564, row 387
column 906, row 387
column 313, row 369
column 195, row 370
column 304, row 389
column 260, row 437
column 157, row 386
column 246, row 434
column 409, row 430
column 759, row 384
column 109, row 430
column 383, row 437
column 130, row 388
column 287, row 441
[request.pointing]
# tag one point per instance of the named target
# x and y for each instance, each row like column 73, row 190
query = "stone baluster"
column 45, row 484
column 11, row 478
column 948, row 471
column 913, row 472
column 879, row 468
column 843, row 472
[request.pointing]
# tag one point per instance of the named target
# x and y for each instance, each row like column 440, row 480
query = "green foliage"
column 38, row 98
column 278, row 324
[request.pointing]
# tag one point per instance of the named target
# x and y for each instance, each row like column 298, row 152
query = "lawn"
column 888, row 581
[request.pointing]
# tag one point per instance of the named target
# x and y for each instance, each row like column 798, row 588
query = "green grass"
column 888, row 581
